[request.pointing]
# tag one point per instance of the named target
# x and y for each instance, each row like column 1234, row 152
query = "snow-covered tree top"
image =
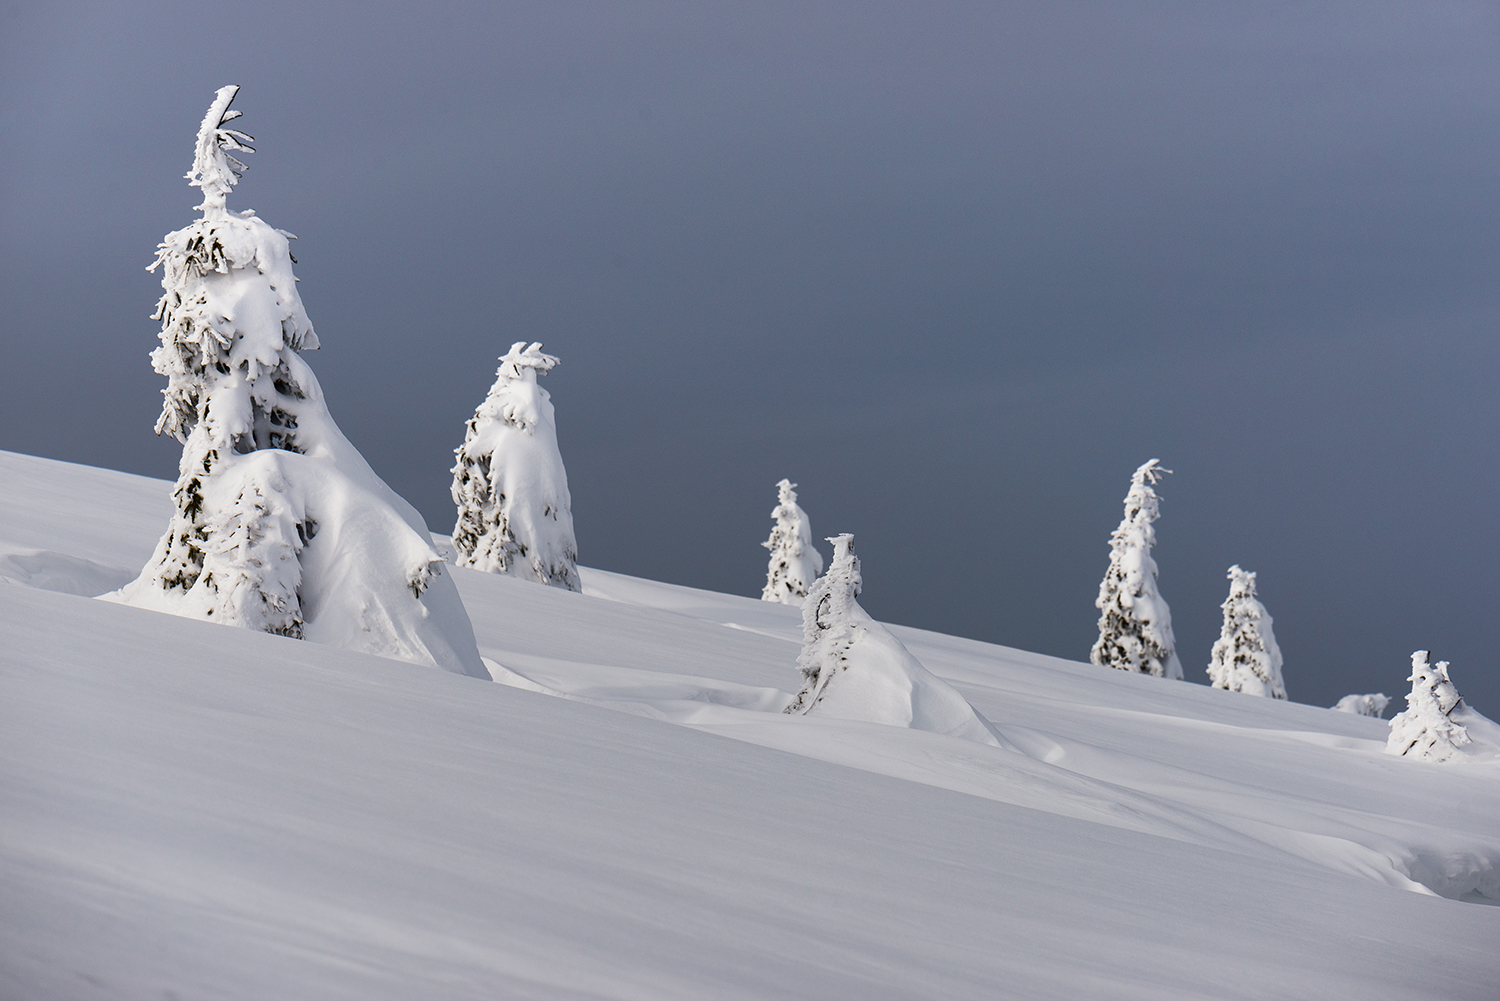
column 215, row 169
column 786, row 493
column 1141, row 501
column 515, row 399
column 524, row 361
column 845, row 566
column 1434, row 678
column 1241, row 583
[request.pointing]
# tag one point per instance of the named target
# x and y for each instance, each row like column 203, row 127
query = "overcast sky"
column 955, row 269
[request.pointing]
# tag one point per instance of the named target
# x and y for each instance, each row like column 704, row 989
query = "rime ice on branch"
column 280, row 525
column 853, row 667
column 514, row 513
column 795, row 562
column 1246, row 657
column 1427, row 729
column 1135, row 625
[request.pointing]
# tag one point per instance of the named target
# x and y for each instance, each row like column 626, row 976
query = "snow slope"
column 195, row 811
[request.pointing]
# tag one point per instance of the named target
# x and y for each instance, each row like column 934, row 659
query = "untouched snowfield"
column 194, row 811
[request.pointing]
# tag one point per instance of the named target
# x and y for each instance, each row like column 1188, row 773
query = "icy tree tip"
column 215, row 168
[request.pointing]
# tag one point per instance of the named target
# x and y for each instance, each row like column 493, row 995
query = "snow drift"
column 854, row 669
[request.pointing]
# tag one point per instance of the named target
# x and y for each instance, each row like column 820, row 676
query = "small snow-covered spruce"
column 795, row 562
column 1135, row 625
column 828, row 624
column 1425, row 729
column 854, row 668
column 280, row 525
column 514, row 512
column 1246, row 657
column 1363, row 705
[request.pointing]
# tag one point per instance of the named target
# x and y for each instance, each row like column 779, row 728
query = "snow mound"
column 881, row 682
column 854, row 669
column 1363, row 705
column 1484, row 734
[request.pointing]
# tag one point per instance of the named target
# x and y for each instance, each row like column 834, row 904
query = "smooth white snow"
column 221, row 813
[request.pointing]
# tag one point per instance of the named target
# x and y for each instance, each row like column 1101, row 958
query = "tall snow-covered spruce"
column 1135, row 625
column 853, row 667
column 514, row 513
column 795, row 561
column 281, row 525
column 1246, row 657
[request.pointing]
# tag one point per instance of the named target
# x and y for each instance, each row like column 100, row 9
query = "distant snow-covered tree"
column 1427, row 729
column 795, row 562
column 1246, row 657
column 515, row 515
column 1135, row 624
column 854, row 668
column 280, row 524
column 1363, row 705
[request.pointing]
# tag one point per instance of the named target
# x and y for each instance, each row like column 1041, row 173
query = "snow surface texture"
column 854, row 669
column 795, row 562
column 1246, row 658
column 515, row 515
column 280, row 524
column 1437, row 725
column 1364, row 705
column 199, row 812
column 1135, row 625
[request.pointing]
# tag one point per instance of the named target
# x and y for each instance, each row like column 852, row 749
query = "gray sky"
column 957, row 270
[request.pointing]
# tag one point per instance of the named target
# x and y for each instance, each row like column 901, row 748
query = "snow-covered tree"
column 1246, row 657
column 1427, row 729
column 829, row 620
column 854, row 668
column 795, row 562
column 280, row 524
column 514, row 513
column 1135, row 625
column 1363, row 705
